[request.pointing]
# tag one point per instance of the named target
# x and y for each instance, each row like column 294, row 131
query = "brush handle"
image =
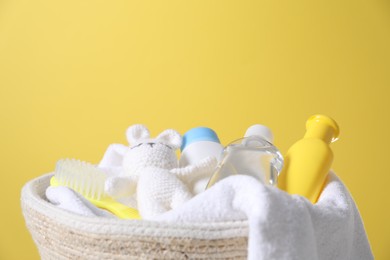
column 116, row 208
column 107, row 203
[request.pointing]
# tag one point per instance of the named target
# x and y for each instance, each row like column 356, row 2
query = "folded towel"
column 68, row 199
column 283, row 226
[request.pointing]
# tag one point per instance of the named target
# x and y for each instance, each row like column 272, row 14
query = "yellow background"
column 75, row 74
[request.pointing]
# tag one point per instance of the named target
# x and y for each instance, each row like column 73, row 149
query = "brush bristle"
column 82, row 177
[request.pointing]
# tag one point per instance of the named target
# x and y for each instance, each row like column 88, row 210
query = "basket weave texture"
column 59, row 234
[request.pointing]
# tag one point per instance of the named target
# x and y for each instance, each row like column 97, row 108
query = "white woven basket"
column 60, row 234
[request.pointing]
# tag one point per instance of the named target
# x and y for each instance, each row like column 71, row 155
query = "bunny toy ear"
column 137, row 133
column 170, row 137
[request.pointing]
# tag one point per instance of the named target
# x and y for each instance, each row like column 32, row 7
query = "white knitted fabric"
column 150, row 169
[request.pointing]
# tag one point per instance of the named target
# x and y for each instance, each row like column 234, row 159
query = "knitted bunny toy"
column 150, row 169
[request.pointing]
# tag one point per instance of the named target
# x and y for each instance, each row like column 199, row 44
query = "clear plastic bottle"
column 251, row 155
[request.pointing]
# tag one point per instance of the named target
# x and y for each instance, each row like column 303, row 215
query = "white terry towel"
column 283, row 226
column 68, row 199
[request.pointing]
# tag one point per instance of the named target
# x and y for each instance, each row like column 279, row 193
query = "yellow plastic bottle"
column 308, row 161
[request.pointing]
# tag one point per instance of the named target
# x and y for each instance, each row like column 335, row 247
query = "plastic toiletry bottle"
column 253, row 155
column 272, row 168
column 199, row 143
column 308, row 161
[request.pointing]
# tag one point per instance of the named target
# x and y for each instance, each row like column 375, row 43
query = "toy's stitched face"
column 151, row 144
column 146, row 152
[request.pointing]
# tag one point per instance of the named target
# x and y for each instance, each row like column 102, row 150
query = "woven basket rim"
column 32, row 196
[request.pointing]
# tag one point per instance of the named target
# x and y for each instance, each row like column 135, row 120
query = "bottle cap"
column 324, row 127
column 199, row 134
column 260, row 130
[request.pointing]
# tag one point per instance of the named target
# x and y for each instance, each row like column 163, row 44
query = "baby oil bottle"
column 308, row 161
